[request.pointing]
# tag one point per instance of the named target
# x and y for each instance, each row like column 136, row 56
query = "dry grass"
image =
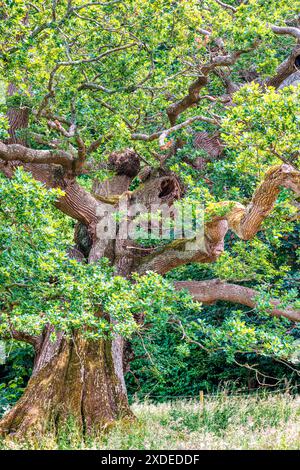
column 225, row 422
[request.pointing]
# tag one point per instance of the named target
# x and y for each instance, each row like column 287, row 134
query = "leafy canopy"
column 139, row 55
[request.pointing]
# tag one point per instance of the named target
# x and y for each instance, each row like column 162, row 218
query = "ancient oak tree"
column 135, row 103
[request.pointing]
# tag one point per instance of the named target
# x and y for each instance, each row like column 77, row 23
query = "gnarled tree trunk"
column 73, row 379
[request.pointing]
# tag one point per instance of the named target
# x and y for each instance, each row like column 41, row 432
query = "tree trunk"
column 73, row 379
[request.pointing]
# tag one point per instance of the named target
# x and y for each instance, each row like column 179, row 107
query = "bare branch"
column 47, row 114
column 203, row 31
column 285, row 69
column 286, row 30
column 226, row 6
column 161, row 135
column 230, row 86
column 99, row 57
column 50, row 94
column 192, row 97
column 56, row 125
column 34, row 340
column 54, row 2
column 209, row 292
column 96, row 143
column 289, row 161
column 23, row 154
column 96, row 87
column 34, row 7
column 82, row 152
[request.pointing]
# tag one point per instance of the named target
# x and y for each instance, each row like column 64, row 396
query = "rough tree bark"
column 72, row 379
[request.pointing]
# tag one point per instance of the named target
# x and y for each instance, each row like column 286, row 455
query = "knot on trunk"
column 126, row 162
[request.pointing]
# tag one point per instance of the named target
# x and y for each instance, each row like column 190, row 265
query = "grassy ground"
column 225, row 422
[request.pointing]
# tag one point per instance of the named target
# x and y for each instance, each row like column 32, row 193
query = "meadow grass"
column 223, row 422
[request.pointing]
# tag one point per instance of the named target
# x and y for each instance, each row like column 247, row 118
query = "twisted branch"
column 23, row 154
column 209, row 292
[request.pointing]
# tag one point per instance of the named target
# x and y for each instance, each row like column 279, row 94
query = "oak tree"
column 135, row 103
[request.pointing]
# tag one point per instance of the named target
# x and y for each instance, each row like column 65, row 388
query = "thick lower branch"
column 172, row 256
column 200, row 249
column 209, row 292
column 245, row 221
column 34, row 340
column 17, row 152
column 76, row 202
column 287, row 31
